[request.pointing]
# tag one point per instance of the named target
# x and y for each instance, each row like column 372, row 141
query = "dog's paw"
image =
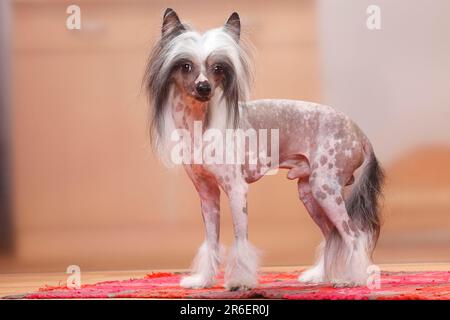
column 196, row 281
column 241, row 272
column 313, row 275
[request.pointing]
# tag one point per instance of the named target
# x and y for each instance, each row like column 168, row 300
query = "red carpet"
column 394, row 285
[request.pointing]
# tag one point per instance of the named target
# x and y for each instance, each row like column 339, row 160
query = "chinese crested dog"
column 202, row 81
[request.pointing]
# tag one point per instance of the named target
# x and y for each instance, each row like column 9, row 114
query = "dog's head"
column 202, row 63
column 201, row 66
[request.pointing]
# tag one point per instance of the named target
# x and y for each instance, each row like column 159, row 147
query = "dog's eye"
column 218, row 69
column 186, row 67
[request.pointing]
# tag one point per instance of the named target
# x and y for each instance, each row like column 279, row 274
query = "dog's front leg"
column 242, row 266
column 207, row 261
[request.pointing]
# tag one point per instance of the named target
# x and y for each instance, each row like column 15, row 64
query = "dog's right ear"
column 171, row 23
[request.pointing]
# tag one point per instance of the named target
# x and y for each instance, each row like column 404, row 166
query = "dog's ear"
column 171, row 23
column 233, row 26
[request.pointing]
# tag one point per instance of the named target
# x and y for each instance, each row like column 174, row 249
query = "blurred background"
column 79, row 184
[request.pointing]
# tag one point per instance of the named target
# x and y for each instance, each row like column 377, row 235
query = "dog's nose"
column 203, row 88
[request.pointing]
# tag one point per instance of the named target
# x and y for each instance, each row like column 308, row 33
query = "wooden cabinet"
column 87, row 189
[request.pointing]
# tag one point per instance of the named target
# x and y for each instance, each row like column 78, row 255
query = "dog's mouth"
column 201, row 98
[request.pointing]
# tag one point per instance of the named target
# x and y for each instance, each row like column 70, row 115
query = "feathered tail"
column 363, row 203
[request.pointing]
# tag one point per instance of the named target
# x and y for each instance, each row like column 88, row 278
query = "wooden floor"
column 12, row 284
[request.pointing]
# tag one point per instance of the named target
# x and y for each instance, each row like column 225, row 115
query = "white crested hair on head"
column 178, row 41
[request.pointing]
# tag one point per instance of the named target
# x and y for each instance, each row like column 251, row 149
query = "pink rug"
column 394, row 285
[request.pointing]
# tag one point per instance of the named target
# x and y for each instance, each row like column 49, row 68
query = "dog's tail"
column 363, row 203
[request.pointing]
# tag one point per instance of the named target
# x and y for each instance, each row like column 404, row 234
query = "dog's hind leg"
column 316, row 273
column 242, row 265
column 345, row 256
column 207, row 261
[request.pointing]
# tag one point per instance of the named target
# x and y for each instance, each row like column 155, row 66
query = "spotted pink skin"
column 320, row 146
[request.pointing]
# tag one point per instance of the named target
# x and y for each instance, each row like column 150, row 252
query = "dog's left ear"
column 171, row 23
column 233, row 26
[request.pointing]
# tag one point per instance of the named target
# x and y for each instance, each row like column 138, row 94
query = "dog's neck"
column 186, row 110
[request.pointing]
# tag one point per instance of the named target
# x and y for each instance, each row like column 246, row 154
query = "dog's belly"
column 307, row 131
